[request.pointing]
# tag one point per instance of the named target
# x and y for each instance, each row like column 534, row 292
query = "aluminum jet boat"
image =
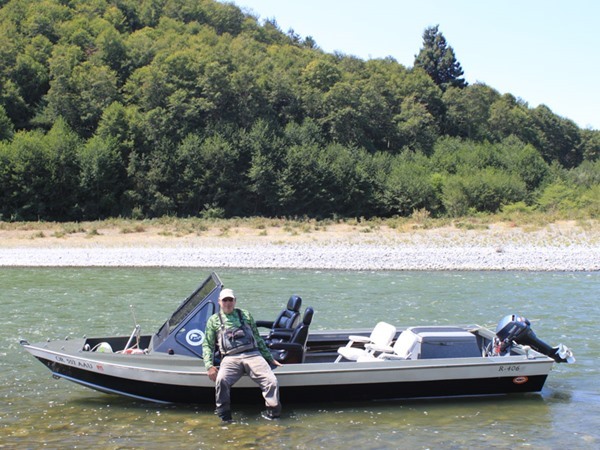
column 381, row 363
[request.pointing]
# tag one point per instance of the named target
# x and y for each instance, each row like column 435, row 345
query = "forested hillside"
column 144, row 108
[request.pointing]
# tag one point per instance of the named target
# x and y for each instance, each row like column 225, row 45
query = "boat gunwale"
column 295, row 369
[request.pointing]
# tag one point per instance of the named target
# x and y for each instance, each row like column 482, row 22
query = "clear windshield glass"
column 192, row 302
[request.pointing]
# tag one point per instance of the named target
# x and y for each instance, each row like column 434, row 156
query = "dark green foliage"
column 322, row 181
column 558, row 139
column 6, row 127
column 468, row 111
column 267, row 152
column 438, row 60
column 576, row 189
column 103, row 178
column 416, row 126
column 483, row 177
column 190, row 107
column 408, row 186
column 40, row 175
column 590, row 145
column 482, row 190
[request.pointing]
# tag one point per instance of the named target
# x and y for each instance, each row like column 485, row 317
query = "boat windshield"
column 190, row 304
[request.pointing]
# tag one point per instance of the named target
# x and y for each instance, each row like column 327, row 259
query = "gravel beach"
column 557, row 247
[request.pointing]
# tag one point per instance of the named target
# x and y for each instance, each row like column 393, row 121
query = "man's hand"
column 277, row 363
column 212, row 373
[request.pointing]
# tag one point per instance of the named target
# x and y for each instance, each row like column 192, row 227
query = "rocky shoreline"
column 430, row 255
column 562, row 246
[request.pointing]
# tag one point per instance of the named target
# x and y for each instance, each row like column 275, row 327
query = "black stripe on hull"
column 412, row 389
column 329, row 393
column 145, row 390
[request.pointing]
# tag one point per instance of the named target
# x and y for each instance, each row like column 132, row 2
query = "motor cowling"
column 513, row 328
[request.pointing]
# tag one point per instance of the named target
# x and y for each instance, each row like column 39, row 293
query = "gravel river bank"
column 557, row 247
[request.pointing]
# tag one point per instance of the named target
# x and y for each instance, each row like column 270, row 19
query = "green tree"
column 468, row 111
column 302, row 185
column 510, row 116
column 345, row 179
column 418, row 84
column 95, row 88
column 416, row 126
column 7, row 128
column 590, row 145
column 6, row 182
column 79, row 91
column 559, row 196
column 14, row 104
column 26, row 170
column 321, row 74
column 190, row 166
column 221, row 184
column 62, row 144
column 151, row 179
column 342, row 119
column 103, row 178
column 558, row 139
column 376, row 109
column 32, row 78
column 140, row 48
column 408, row 185
column 483, row 190
column 437, row 58
column 121, row 124
column 44, row 18
column 43, row 175
column 267, row 163
column 525, row 161
column 112, row 51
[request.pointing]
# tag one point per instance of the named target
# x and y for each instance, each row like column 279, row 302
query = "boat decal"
column 510, row 368
column 194, row 337
column 74, row 362
column 520, row 380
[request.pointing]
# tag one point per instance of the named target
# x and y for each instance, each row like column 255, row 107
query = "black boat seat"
column 283, row 326
column 293, row 351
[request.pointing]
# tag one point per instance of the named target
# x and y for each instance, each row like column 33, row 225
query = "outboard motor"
column 513, row 328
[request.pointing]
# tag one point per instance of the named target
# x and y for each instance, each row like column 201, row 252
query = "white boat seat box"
column 405, row 347
column 427, row 343
column 381, row 336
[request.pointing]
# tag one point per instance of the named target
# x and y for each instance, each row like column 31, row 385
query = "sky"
column 543, row 52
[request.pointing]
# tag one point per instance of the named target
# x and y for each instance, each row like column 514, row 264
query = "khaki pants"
column 254, row 365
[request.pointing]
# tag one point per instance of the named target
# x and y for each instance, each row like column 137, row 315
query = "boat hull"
column 179, row 379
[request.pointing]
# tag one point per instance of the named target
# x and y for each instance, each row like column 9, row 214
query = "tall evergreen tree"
column 438, row 60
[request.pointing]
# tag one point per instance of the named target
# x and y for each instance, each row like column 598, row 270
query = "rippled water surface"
column 39, row 412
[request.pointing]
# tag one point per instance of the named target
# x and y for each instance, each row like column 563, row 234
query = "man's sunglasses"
column 228, row 300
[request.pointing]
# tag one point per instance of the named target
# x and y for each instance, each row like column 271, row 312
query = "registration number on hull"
column 75, row 363
column 513, row 368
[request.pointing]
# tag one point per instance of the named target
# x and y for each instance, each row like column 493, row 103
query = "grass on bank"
column 261, row 226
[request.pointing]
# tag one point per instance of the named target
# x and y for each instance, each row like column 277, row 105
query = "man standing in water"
column 243, row 351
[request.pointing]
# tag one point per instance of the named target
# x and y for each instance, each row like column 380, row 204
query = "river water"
column 38, row 411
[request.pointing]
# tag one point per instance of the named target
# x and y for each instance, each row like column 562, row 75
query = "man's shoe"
column 226, row 417
column 269, row 415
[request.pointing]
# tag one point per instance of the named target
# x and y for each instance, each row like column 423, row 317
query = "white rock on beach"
column 556, row 247
column 306, row 256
